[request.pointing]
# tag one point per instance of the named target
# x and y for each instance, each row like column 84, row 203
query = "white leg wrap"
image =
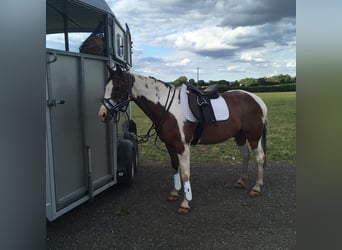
column 177, row 181
column 187, row 191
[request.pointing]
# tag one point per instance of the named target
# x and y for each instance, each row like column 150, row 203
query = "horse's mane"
column 153, row 78
column 158, row 80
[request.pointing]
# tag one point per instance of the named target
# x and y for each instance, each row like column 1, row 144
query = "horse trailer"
column 84, row 156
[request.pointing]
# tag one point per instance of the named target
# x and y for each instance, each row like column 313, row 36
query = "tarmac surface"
column 221, row 217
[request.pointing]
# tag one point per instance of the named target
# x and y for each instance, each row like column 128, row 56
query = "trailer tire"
column 127, row 158
column 132, row 126
column 134, row 139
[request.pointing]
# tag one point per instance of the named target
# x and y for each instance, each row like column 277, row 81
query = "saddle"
column 200, row 106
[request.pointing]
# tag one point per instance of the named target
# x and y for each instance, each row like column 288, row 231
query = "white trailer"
column 84, row 156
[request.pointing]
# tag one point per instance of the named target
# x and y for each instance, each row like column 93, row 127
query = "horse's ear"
column 118, row 68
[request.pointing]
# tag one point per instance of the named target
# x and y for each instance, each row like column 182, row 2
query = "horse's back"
column 246, row 102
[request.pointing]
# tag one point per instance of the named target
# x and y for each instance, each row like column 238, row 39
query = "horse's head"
column 117, row 90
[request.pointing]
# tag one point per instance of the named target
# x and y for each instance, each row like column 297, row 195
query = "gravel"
column 221, row 217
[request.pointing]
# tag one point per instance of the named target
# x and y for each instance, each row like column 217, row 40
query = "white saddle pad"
column 220, row 107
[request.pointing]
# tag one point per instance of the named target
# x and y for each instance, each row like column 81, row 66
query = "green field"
column 281, row 139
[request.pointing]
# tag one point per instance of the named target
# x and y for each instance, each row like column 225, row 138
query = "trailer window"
column 120, row 45
column 57, row 41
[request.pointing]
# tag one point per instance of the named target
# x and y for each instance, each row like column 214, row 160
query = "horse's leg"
column 173, row 195
column 260, row 159
column 184, row 164
column 244, row 150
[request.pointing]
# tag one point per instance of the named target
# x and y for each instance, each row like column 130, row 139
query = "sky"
column 225, row 39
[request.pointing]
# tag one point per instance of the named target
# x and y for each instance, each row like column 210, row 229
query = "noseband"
column 113, row 109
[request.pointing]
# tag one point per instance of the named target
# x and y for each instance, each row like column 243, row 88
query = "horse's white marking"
column 187, row 190
column 108, row 90
column 260, row 158
column 176, row 110
column 177, row 181
column 174, row 192
column 244, row 150
column 184, row 165
column 107, row 95
column 157, row 92
column 258, row 100
column 144, row 86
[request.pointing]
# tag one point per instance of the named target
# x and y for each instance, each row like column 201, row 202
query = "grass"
column 281, row 138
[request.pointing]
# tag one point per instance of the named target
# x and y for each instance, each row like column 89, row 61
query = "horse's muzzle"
column 103, row 116
column 106, row 118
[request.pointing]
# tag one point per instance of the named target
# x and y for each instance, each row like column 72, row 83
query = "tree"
column 280, row 79
column 181, row 80
column 235, row 83
column 261, row 81
column 223, row 82
column 192, row 82
column 201, row 82
column 247, row 81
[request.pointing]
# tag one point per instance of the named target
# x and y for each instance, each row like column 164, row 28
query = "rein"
column 157, row 126
column 166, row 108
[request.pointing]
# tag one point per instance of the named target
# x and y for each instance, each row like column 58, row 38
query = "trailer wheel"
column 134, row 139
column 127, row 160
column 131, row 168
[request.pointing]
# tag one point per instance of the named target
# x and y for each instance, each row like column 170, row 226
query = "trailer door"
column 81, row 151
column 65, row 130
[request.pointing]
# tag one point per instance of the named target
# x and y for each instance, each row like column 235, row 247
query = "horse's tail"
column 263, row 140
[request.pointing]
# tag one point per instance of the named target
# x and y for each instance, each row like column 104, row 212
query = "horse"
column 247, row 123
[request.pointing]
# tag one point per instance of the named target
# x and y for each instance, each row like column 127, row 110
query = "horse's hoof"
column 254, row 193
column 239, row 185
column 183, row 210
column 172, row 197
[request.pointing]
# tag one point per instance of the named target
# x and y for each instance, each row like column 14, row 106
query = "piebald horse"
column 247, row 123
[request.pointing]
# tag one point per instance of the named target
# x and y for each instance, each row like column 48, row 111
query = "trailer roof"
column 81, row 15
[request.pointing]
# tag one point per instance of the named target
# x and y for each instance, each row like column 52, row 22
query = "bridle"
column 114, row 109
column 122, row 106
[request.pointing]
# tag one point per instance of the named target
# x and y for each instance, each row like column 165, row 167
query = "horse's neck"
column 150, row 95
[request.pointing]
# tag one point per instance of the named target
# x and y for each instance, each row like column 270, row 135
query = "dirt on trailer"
column 221, row 217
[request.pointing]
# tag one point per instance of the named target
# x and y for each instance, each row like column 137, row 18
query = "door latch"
column 54, row 102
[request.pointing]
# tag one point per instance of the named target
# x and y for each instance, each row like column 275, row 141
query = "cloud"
column 227, row 39
column 224, row 42
column 235, row 68
column 258, row 12
column 216, row 53
column 151, row 59
column 291, row 64
column 214, row 41
column 251, row 57
column 153, row 20
column 185, row 61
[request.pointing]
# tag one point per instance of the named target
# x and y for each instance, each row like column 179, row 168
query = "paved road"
column 139, row 217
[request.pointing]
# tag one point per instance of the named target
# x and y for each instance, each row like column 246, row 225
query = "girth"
column 200, row 106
